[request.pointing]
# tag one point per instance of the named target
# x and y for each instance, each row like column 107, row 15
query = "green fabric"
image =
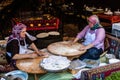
column 96, row 26
column 57, row 76
column 31, row 77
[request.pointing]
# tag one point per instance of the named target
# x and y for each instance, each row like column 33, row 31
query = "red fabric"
column 6, row 68
column 113, row 18
column 53, row 24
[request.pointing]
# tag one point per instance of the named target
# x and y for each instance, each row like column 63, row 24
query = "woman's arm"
column 38, row 52
column 81, row 34
column 33, row 46
column 23, row 56
column 100, row 36
column 75, row 40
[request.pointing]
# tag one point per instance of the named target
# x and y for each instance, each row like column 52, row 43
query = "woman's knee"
column 94, row 53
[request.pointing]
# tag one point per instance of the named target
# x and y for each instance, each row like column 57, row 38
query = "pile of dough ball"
column 55, row 63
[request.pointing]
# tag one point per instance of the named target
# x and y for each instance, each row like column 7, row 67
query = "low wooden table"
column 31, row 66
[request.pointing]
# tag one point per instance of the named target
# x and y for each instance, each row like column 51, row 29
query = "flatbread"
column 42, row 35
column 53, row 33
column 3, row 42
column 65, row 48
column 6, row 38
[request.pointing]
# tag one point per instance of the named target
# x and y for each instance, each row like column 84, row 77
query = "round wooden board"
column 65, row 48
column 30, row 65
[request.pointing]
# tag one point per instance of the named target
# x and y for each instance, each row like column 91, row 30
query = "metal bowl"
column 55, row 70
column 55, row 64
column 18, row 74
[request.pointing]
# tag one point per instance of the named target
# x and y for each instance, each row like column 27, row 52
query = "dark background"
column 18, row 6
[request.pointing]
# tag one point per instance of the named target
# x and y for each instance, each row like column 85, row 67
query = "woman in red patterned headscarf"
column 18, row 43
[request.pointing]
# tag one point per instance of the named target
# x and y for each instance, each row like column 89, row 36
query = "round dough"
column 65, row 48
column 42, row 35
column 53, row 33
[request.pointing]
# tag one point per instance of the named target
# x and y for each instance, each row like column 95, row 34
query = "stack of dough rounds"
column 53, row 33
column 46, row 34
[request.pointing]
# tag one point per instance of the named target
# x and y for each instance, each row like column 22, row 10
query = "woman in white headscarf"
column 94, row 35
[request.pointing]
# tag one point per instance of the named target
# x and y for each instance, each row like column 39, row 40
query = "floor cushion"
column 2, row 58
column 4, row 66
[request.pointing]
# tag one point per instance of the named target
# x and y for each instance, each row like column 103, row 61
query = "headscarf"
column 16, row 31
column 95, row 20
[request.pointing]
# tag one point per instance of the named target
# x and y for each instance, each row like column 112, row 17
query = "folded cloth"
column 78, row 74
column 31, row 37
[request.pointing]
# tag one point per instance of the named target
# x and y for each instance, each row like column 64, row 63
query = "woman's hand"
column 82, row 48
column 71, row 43
column 41, row 53
column 86, row 47
column 33, row 55
column 24, row 56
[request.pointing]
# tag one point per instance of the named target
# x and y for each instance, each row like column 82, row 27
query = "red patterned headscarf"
column 16, row 31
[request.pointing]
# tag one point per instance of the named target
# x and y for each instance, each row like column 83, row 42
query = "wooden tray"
column 65, row 48
column 30, row 65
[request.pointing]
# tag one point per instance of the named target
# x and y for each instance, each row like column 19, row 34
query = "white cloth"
column 22, row 49
column 78, row 74
column 89, row 38
column 30, row 37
